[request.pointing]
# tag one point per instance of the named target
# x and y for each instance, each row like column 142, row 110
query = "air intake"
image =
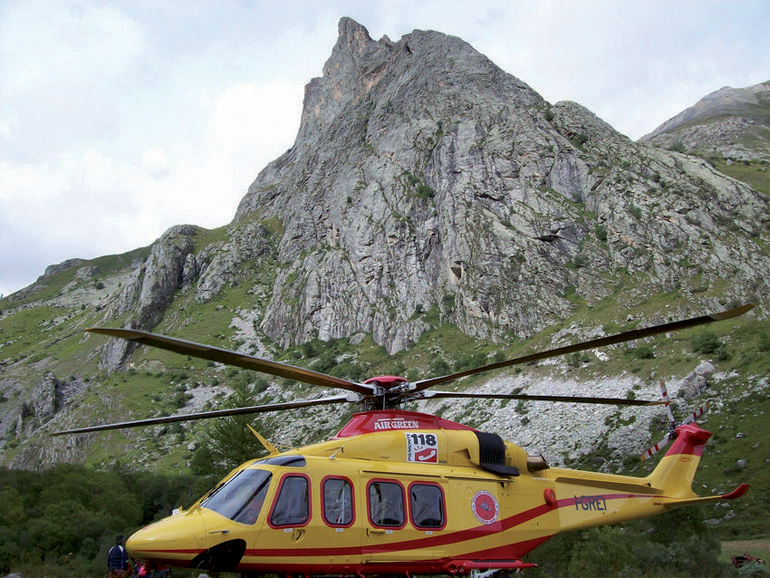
column 492, row 454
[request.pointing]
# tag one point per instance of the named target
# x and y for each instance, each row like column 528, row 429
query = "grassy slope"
column 754, row 174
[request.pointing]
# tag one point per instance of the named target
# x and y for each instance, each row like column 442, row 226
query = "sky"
column 120, row 119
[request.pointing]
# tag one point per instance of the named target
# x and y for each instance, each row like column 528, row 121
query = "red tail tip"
column 737, row 492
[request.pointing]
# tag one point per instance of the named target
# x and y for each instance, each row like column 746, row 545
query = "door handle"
column 373, row 531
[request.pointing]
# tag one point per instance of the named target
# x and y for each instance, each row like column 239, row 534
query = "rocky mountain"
column 730, row 123
column 729, row 128
column 423, row 173
column 433, row 210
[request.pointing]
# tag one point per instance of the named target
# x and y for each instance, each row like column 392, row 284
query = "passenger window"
column 292, row 506
column 386, row 504
column 426, row 503
column 338, row 502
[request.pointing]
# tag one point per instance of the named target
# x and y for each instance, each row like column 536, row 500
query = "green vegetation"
column 60, row 522
column 643, row 351
column 601, row 233
column 420, row 188
column 229, row 441
column 678, row 147
column 710, row 344
column 579, row 140
column 675, row 544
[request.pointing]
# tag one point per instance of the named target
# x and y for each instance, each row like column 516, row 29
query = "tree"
column 230, row 442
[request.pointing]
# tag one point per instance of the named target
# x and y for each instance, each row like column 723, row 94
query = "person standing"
column 117, row 559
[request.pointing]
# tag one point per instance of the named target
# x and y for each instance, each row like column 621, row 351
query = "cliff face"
column 425, row 183
column 424, row 176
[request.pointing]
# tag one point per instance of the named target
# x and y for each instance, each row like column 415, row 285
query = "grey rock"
column 150, row 290
column 705, row 370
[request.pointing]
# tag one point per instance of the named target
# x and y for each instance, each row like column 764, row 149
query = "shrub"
column 578, row 358
column 579, row 139
column 763, row 342
column 677, row 147
column 601, row 233
column 439, row 367
column 643, row 351
column 709, row 344
column 471, row 361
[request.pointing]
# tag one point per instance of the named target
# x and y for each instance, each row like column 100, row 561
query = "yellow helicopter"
column 401, row 492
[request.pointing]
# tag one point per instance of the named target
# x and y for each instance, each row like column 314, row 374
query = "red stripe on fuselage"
column 443, row 538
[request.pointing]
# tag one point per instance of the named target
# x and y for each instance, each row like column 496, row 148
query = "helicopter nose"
column 173, row 541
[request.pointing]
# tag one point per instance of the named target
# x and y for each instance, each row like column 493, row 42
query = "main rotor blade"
column 234, row 358
column 600, row 342
column 210, row 414
column 527, row 397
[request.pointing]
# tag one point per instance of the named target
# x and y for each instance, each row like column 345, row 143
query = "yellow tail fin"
column 675, row 472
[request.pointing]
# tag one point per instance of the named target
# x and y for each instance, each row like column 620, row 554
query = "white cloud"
column 250, row 115
column 61, row 69
column 155, row 160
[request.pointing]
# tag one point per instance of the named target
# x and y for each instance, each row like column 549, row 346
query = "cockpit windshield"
column 240, row 498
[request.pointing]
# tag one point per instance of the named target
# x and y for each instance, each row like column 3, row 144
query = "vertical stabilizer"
column 675, row 472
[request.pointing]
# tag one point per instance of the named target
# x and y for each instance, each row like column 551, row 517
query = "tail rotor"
column 672, row 423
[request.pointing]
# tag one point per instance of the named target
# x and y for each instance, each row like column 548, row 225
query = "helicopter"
column 403, row 492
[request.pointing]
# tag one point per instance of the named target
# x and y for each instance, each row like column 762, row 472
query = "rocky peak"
column 326, row 96
column 428, row 61
column 352, row 44
column 730, row 123
column 423, row 176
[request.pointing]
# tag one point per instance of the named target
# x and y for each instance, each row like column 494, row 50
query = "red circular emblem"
column 485, row 507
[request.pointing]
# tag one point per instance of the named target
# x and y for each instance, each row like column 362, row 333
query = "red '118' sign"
column 421, row 448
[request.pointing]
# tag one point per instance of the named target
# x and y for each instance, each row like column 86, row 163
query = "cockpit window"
column 240, row 498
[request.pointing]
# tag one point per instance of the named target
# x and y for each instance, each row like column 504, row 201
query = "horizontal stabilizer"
column 676, row 502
